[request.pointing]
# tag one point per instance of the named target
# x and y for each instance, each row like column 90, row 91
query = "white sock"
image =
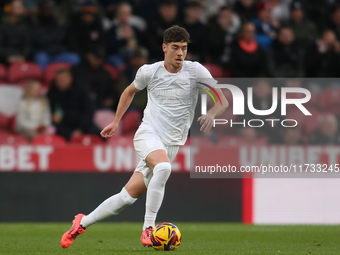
column 111, row 206
column 155, row 193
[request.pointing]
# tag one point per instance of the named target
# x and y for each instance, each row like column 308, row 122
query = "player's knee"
column 162, row 166
column 157, row 157
column 127, row 198
column 162, row 170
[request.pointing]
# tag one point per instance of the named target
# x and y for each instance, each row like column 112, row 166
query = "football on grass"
column 166, row 237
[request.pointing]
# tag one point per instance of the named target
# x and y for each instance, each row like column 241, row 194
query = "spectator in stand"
column 223, row 29
column 329, row 132
column 2, row 5
column 91, row 76
column 71, row 108
column 247, row 59
column 293, row 83
column 33, row 116
column 305, row 31
column 265, row 25
column 110, row 9
column 138, row 59
column 48, row 38
column 154, row 34
column 122, row 13
column 122, row 38
column 291, row 136
column 68, row 10
column 29, row 5
column 86, row 32
column 15, row 40
column 279, row 10
column 323, row 60
column 284, row 57
column 334, row 23
column 146, row 9
column 210, row 8
column 319, row 11
column 246, row 9
column 198, row 49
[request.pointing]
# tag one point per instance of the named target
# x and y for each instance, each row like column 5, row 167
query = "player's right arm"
column 124, row 103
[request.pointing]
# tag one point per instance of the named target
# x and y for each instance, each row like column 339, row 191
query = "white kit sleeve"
column 203, row 76
column 140, row 81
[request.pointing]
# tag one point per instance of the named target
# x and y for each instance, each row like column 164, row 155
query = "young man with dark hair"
column 172, row 87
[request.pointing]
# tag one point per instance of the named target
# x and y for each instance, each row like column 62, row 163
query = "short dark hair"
column 168, row 3
column 194, row 4
column 175, row 34
column 226, row 8
column 64, row 70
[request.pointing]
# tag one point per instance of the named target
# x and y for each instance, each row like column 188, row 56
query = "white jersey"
column 172, row 98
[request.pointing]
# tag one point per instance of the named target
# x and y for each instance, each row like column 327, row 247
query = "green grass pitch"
column 197, row 238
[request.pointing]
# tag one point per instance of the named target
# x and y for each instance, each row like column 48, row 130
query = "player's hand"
column 206, row 122
column 109, row 130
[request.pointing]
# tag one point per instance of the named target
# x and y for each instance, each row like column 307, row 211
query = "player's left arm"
column 207, row 121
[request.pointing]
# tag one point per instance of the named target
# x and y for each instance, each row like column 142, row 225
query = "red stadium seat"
column 312, row 122
column 4, row 131
column 103, row 117
column 203, row 141
column 4, row 121
column 49, row 140
column 125, row 140
column 131, row 122
column 87, row 140
column 52, row 69
column 308, row 123
column 114, row 72
column 215, row 70
column 3, row 74
column 312, row 103
column 226, row 73
column 230, row 141
column 11, row 139
column 297, row 115
column 262, row 141
column 20, row 73
column 330, row 100
column 235, row 141
column 12, row 123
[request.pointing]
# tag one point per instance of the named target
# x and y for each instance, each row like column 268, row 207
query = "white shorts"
column 145, row 142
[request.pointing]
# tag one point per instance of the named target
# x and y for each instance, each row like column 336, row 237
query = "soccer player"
column 172, row 87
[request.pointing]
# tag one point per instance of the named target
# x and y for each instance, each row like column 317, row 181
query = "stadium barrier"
column 59, row 196
column 123, row 158
column 52, row 183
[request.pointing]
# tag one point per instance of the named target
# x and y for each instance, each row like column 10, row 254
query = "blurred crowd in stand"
column 68, row 61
